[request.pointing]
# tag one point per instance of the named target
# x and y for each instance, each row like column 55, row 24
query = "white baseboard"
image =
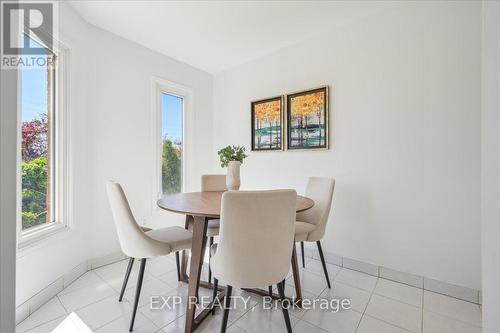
column 401, row 277
column 441, row 287
column 105, row 260
column 51, row 290
column 449, row 289
column 40, row 298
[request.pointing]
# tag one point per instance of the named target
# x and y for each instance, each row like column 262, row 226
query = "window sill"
column 41, row 237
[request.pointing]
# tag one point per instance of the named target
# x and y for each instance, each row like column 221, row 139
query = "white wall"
column 405, row 135
column 110, row 105
column 491, row 166
column 119, row 133
column 41, row 264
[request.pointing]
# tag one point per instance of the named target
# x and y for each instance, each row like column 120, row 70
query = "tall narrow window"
column 38, row 142
column 172, row 143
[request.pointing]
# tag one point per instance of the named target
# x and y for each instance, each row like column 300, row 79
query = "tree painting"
column 267, row 124
column 307, row 119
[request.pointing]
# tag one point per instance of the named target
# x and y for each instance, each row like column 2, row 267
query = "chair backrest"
column 256, row 237
column 133, row 241
column 213, row 183
column 321, row 191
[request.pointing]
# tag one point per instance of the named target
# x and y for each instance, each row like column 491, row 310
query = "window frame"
column 59, row 126
column 161, row 86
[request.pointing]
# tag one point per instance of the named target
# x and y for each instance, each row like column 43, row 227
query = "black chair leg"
column 209, row 257
column 137, row 292
column 214, row 295
column 302, row 250
column 125, row 279
column 281, row 291
column 178, row 264
column 270, row 288
column 227, row 305
column 323, row 263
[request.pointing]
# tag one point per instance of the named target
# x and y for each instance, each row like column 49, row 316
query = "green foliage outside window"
column 34, row 192
column 34, row 169
column 171, row 168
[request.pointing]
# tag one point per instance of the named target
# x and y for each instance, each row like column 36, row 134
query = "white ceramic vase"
column 233, row 176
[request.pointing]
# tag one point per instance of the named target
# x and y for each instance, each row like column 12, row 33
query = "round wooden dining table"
column 199, row 208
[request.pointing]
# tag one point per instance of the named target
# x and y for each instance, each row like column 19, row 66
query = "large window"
column 42, row 146
column 172, row 145
column 37, row 142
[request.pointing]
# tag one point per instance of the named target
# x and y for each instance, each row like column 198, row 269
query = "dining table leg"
column 185, row 256
column 197, row 254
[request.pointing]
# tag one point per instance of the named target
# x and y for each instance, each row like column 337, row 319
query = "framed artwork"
column 267, row 124
column 307, row 119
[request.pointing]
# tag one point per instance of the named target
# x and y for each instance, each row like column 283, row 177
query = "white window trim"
column 159, row 86
column 33, row 236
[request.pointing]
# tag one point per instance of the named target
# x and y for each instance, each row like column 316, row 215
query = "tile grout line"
column 121, row 315
column 366, row 307
column 313, row 324
column 422, row 322
column 316, row 326
column 44, row 323
column 81, row 307
column 388, row 323
column 399, row 301
column 382, row 320
column 454, row 319
column 48, row 321
column 161, row 328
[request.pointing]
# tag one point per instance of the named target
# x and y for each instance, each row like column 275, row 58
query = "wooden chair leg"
column 323, row 263
column 137, row 292
column 214, row 295
column 125, row 279
column 227, row 305
column 302, row 250
column 178, row 264
column 281, row 291
column 209, row 257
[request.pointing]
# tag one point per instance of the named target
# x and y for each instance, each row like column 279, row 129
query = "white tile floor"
column 378, row 305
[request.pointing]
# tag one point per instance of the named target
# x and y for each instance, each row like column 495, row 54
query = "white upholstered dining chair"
column 311, row 224
column 137, row 243
column 255, row 242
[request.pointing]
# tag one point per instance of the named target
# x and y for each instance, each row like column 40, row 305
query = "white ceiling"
column 217, row 35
